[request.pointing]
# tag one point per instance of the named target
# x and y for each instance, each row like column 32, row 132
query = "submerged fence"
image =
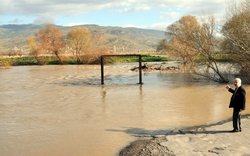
column 121, row 55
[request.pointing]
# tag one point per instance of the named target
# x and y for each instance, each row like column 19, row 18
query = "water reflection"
column 141, row 101
column 103, row 95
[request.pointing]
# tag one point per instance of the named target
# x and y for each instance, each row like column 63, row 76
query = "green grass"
column 23, row 61
column 149, row 58
column 218, row 58
column 130, row 59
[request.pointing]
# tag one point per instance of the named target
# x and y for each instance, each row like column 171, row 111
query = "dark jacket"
column 238, row 99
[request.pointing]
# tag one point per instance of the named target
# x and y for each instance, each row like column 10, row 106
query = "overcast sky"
column 153, row 14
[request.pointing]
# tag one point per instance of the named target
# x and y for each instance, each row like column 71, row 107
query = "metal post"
column 102, row 70
column 140, row 73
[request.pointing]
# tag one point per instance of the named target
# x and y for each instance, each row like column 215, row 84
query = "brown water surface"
column 63, row 110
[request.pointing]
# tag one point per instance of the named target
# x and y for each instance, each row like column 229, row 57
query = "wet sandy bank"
column 215, row 139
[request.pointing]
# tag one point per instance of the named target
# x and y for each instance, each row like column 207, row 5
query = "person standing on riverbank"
column 237, row 102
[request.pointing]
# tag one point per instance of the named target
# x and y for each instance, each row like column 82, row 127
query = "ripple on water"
column 44, row 109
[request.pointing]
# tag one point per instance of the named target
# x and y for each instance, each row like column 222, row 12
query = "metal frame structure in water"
column 120, row 55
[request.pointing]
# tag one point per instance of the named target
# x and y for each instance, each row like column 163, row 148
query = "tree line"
column 197, row 42
column 79, row 43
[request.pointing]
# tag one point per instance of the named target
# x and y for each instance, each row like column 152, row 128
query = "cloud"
column 130, row 9
column 195, row 7
column 41, row 7
column 168, row 10
column 155, row 26
column 133, row 6
column 171, row 15
column 159, row 26
column 44, row 20
column 199, row 8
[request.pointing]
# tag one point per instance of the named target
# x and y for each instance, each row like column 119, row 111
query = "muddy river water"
column 63, row 110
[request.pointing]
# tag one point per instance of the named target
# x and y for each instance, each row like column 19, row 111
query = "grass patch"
column 4, row 63
column 149, row 58
column 218, row 56
column 18, row 61
column 130, row 59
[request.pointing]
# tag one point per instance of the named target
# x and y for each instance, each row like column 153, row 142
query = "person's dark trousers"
column 236, row 120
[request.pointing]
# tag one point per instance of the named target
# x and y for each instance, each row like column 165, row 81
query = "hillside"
column 13, row 37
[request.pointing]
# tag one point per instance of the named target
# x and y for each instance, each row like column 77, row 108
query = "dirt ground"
column 207, row 140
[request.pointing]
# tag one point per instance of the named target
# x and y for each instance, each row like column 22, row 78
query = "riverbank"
column 215, row 139
column 71, row 60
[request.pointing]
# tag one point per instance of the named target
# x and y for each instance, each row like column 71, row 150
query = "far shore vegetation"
column 89, row 59
column 70, row 60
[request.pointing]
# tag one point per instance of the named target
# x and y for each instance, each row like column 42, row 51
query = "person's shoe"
column 235, row 130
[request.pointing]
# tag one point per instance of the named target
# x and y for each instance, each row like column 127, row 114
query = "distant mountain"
column 13, row 37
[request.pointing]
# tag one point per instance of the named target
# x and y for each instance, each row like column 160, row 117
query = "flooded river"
column 63, row 110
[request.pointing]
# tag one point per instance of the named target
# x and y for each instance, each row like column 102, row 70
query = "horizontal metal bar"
column 112, row 55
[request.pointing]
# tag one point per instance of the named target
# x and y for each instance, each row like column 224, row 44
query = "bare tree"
column 51, row 40
column 79, row 40
column 180, row 44
column 236, row 31
column 34, row 50
column 194, row 42
column 98, row 47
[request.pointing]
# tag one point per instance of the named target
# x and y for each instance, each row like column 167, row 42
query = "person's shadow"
column 201, row 129
column 140, row 132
